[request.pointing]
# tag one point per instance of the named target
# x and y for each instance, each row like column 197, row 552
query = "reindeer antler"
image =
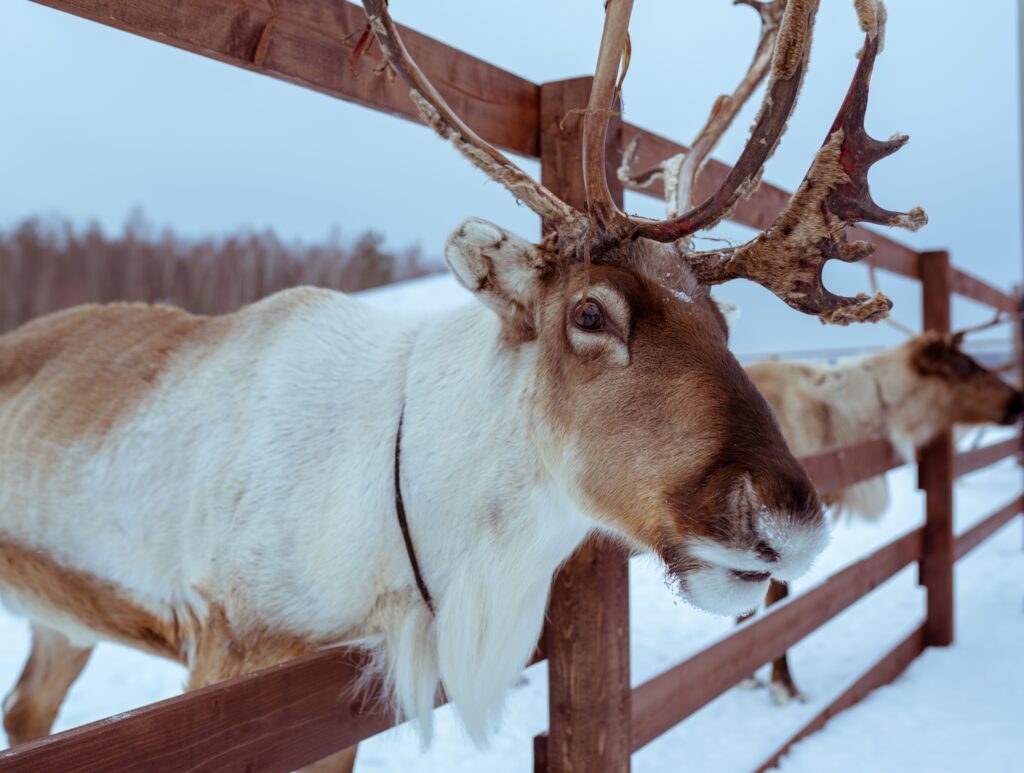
column 789, row 257
column 438, row 115
column 789, row 62
column 680, row 171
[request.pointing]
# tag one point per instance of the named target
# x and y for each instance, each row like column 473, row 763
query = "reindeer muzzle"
column 1014, row 409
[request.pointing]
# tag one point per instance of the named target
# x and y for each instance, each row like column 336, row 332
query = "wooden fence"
column 298, row 712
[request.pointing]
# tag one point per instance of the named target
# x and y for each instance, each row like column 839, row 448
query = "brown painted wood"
column 838, row 468
column 760, row 210
column 309, row 43
column 671, row 697
column 969, row 461
column 587, row 636
column 883, row 672
column 936, row 471
column 971, row 287
column 988, row 526
column 278, row 719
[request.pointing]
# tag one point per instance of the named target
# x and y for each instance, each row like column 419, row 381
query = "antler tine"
column 788, row 64
column 439, row 116
column 999, row 319
column 789, row 257
column 680, row 171
column 595, row 119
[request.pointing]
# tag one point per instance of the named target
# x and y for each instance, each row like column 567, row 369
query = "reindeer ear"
column 503, row 270
column 933, row 355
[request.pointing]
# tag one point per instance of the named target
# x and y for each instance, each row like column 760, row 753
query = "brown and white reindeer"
column 232, row 492
column 907, row 394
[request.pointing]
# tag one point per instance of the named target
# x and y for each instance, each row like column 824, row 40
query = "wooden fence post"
column 586, row 640
column 936, row 473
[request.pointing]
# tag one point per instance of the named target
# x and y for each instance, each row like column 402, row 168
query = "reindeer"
column 907, row 394
column 231, row 492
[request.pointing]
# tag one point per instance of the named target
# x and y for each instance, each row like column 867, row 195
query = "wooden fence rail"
column 295, row 713
column 667, row 699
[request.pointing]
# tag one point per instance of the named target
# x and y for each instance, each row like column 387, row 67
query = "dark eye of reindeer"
column 588, row 315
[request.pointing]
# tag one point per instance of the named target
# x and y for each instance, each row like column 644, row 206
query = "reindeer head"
column 639, row 409
column 970, row 393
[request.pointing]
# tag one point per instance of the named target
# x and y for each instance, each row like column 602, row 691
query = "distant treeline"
column 46, row 265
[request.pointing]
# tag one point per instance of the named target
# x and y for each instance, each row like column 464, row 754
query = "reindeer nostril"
column 767, row 553
column 1014, row 409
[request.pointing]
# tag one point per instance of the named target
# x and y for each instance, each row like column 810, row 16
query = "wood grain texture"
column 936, row 471
column 969, row 461
column 986, row 527
column 278, row 719
column 838, row 468
column 971, row 287
column 309, row 43
column 760, row 210
column 587, row 635
column 671, row 697
column 887, row 668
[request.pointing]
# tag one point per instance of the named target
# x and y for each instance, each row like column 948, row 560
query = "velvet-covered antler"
column 788, row 258
column 679, row 172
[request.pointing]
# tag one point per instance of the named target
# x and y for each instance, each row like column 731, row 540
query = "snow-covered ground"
column 956, row 709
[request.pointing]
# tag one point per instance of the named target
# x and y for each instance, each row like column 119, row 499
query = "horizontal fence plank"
column 838, row 468
column 309, row 43
column 969, row 461
column 971, row 287
column 889, row 667
column 278, row 719
column 988, row 526
column 666, row 700
column 760, row 210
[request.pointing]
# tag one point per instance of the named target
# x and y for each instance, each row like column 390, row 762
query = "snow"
column 954, row 709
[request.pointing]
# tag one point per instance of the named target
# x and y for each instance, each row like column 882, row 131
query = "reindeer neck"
column 909, row 404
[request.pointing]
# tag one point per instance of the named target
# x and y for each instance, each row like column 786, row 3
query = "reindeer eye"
column 588, row 315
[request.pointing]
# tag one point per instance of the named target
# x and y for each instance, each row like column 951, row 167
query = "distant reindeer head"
column 972, row 394
column 638, row 407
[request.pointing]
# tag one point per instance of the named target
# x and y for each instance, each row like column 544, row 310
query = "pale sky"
column 97, row 121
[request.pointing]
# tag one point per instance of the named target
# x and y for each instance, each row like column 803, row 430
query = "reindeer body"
column 247, row 462
column 907, row 395
column 222, row 491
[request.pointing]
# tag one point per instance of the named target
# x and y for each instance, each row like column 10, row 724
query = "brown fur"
column 724, row 435
column 213, row 650
column 108, row 357
column 910, row 393
column 53, row 665
column 96, row 604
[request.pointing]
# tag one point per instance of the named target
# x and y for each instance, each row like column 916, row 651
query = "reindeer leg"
column 753, row 681
column 52, row 667
column 219, row 655
column 783, row 687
